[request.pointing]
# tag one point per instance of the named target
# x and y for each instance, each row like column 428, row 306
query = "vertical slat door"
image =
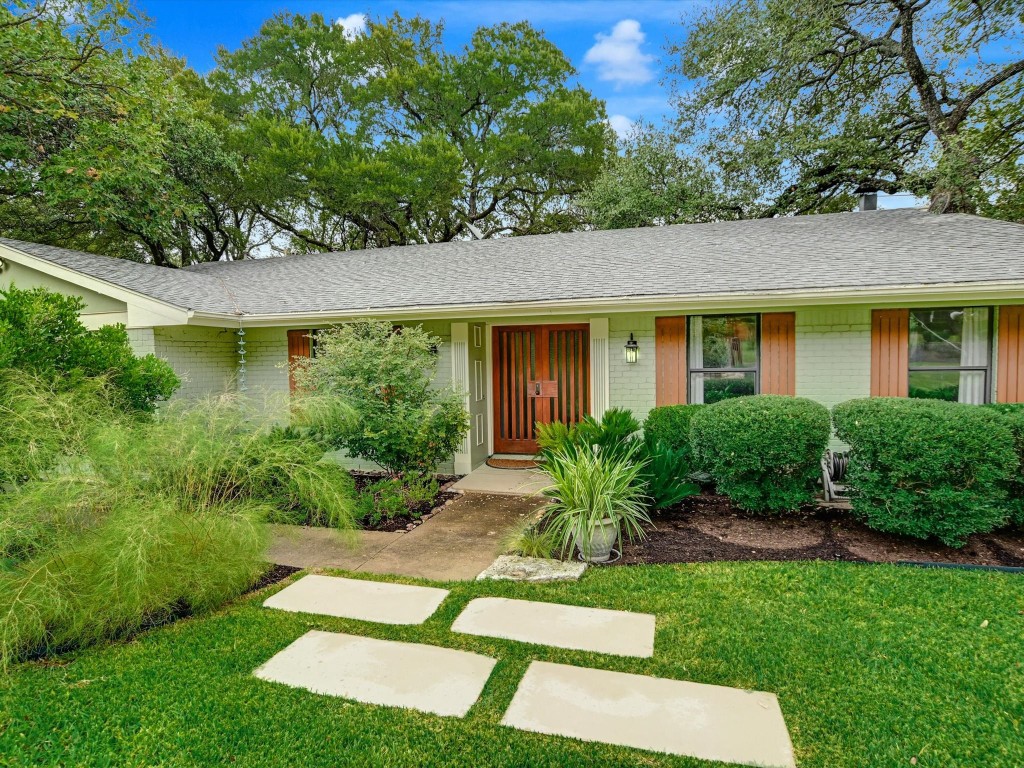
column 515, row 360
column 298, row 347
column 778, row 353
column 568, row 349
column 1010, row 359
column 890, row 352
column 670, row 360
column 541, row 374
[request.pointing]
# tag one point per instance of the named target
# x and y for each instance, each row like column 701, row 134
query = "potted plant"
column 595, row 497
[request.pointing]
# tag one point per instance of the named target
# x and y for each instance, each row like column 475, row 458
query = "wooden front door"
column 541, row 374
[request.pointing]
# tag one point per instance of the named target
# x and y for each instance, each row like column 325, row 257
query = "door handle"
column 536, row 388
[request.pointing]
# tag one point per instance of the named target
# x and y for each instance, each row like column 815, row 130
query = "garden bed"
column 709, row 528
column 414, row 516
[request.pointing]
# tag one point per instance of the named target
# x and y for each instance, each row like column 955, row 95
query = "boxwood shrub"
column 763, row 451
column 1014, row 416
column 670, row 424
column 927, row 468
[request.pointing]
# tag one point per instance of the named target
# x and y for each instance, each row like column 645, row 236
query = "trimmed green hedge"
column 1014, row 415
column 926, row 467
column 764, row 451
column 670, row 425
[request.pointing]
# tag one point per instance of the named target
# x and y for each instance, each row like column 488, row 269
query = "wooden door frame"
column 492, row 362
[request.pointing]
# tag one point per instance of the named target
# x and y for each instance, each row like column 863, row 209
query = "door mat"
column 512, row 463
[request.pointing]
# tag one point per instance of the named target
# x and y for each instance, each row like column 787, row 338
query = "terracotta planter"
column 602, row 539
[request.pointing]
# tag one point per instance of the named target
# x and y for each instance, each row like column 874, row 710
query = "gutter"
column 994, row 292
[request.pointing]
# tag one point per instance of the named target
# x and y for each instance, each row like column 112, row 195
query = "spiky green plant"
column 589, row 486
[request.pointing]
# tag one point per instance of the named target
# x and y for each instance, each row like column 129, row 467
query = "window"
column 950, row 354
column 723, row 357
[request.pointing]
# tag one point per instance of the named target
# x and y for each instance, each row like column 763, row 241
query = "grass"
column 873, row 666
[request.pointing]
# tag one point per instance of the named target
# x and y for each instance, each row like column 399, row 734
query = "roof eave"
column 173, row 314
column 984, row 291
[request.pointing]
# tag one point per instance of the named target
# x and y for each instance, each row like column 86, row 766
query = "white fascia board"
column 170, row 314
column 900, row 295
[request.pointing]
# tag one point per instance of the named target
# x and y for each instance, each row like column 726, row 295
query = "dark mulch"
column 272, row 575
column 708, row 528
column 414, row 516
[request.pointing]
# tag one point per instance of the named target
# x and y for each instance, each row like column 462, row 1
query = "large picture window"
column 722, row 357
column 951, row 354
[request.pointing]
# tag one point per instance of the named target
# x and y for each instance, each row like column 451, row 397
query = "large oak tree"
column 802, row 103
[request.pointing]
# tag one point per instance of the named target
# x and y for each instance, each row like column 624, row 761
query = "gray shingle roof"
column 846, row 250
column 180, row 288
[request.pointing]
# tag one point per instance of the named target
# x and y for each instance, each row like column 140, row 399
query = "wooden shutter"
column 890, row 351
column 298, row 347
column 670, row 360
column 778, row 353
column 1010, row 378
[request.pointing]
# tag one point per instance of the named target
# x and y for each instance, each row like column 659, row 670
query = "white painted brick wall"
column 833, row 353
column 204, row 358
column 632, row 385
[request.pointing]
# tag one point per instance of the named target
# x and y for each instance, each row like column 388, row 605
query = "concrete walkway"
column 508, row 482
column 456, row 544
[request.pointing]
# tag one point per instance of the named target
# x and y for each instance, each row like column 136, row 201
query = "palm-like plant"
column 592, row 490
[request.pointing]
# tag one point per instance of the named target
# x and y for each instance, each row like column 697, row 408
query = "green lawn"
column 873, row 666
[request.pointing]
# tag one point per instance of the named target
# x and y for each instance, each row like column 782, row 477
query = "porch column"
column 600, row 379
column 460, row 380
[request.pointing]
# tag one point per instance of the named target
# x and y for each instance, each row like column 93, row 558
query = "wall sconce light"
column 632, row 350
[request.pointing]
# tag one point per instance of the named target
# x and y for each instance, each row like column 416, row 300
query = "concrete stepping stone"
column 709, row 722
column 358, row 599
column 441, row 681
column 564, row 626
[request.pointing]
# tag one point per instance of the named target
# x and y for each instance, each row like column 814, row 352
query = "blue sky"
column 618, row 47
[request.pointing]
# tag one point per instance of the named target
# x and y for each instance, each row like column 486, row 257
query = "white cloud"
column 621, row 124
column 353, row 25
column 618, row 56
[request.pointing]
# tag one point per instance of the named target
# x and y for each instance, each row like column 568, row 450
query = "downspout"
column 242, row 386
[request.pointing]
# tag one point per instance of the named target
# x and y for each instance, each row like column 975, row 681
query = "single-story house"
column 829, row 307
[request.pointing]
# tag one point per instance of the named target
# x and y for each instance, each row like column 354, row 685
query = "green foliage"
column 926, row 467
column 188, row 684
column 40, row 426
column 553, row 435
column 667, row 473
column 390, row 138
column 764, row 452
column 588, row 487
column 115, row 563
column 396, row 497
column 650, row 184
column 127, row 523
column 530, row 540
column 40, row 333
column 798, row 105
column 105, row 147
column 399, row 420
column 665, row 477
column 1014, row 416
column 670, row 424
column 613, row 436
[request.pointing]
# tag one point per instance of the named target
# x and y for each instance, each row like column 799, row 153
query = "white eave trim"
column 73, row 276
column 884, row 295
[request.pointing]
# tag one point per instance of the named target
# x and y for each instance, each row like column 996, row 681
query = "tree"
column 800, row 104
column 387, row 138
column 394, row 416
column 41, row 334
column 104, row 148
column 650, row 183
